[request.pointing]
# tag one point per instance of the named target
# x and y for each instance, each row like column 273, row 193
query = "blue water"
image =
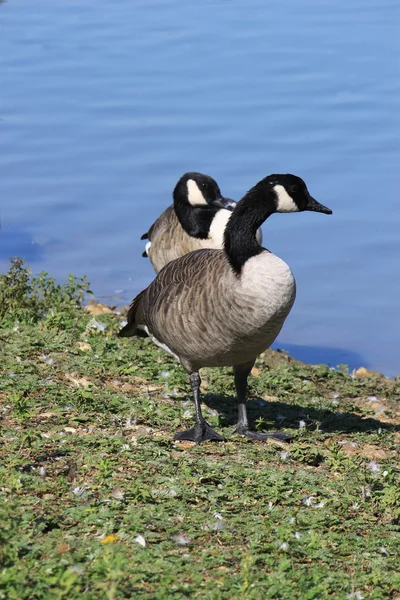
column 104, row 104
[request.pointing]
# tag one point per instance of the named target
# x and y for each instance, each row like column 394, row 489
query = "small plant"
column 246, row 576
column 389, row 494
column 22, row 405
column 28, row 299
column 309, row 455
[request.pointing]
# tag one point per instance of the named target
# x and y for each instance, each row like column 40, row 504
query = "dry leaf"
column 255, row 372
column 46, row 415
column 110, row 539
column 85, row 346
column 269, row 398
column 79, row 382
column 184, row 444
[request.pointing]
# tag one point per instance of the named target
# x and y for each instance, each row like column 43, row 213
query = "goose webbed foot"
column 258, row 435
column 201, row 432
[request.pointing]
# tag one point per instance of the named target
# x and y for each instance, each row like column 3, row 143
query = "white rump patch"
column 157, row 342
column 148, row 248
column 195, row 196
column 217, row 227
column 285, row 202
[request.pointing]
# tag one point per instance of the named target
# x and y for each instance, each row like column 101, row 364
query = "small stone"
column 181, row 540
column 77, row 569
column 363, row 372
column 47, row 360
column 117, row 493
column 217, row 526
column 96, row 309
column 96, row 325
column 70, row 429
column 374, row 468
column 284, row 546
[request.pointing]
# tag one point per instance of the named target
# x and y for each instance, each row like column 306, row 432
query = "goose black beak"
column 222, row 202
column 315, row 206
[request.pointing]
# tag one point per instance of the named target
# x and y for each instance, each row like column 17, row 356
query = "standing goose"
column 215, row 308
column 196, row 220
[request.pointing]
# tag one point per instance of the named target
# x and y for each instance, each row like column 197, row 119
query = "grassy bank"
column 97, row 501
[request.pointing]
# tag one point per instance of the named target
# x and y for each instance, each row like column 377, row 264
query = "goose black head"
column 200, row 191
column 292, row 195
column 197, row 200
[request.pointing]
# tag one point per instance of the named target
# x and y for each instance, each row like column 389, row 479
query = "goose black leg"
column 202, row 430
column 241, row 373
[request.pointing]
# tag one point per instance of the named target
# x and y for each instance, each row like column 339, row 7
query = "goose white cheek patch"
column 195, row 196
column 285, row 202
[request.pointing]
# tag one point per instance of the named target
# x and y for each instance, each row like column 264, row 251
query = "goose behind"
column 224, row 307
column 196, row 220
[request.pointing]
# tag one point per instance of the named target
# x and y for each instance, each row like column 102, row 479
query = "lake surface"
column 104, row 105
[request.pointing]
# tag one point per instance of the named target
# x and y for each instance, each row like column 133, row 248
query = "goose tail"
column 134, row 325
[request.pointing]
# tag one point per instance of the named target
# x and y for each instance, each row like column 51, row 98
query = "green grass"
column 87, row 464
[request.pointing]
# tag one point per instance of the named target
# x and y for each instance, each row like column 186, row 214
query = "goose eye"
column 294, row 189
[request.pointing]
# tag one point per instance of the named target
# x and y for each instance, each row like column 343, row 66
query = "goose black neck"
column 195, row 220
column 254, row 208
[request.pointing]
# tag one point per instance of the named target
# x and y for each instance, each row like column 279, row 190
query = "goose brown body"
column 182, row 308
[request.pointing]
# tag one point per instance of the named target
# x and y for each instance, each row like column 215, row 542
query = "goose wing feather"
column 168, row 240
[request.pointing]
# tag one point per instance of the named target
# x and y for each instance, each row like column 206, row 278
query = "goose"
column 213, row 308
column 196, row 220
